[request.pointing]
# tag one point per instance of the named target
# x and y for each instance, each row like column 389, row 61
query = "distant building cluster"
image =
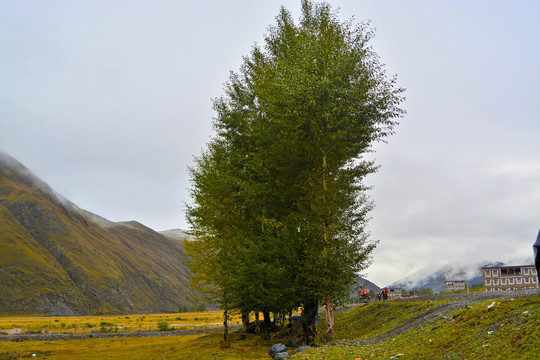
column 454, row 286
column 509, row 277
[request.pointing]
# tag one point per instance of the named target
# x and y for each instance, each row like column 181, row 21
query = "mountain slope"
column 59, row 259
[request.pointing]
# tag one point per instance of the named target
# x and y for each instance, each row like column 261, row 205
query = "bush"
column 163, row 325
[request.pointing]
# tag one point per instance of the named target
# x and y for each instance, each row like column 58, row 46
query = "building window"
column 487, row 273
column 495, row 273
column 510, row 281
column 503, row 282
column 527, row 281
column 525, row 271
column 518, row 281
column 495, row 282
column 533, row 280
column 488, row 282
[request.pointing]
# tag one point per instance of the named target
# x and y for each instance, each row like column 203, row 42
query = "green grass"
column 376, row 318
column 509, row 330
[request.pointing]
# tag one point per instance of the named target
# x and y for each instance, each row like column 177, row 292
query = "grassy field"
column 127, row 323
column 164, row 347
column 493, row 329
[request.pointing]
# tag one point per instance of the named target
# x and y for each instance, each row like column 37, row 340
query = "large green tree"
column 293, row 127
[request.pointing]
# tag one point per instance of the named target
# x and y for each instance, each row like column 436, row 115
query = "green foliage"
column 163, row 325
column 279, row 208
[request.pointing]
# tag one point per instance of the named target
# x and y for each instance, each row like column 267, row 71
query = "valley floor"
column 494, row 325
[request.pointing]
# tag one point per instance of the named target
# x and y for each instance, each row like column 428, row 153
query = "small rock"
column 277, row 348
column 435, row 327
column 281, row 355
column 300, row 349
column 490, row 332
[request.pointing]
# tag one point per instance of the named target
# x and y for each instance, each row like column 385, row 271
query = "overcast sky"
column 108, row 102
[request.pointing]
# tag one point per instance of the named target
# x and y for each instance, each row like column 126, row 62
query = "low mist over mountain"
column 59, row 259
column 435, row 278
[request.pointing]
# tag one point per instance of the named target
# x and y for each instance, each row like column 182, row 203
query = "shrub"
column 163, row 325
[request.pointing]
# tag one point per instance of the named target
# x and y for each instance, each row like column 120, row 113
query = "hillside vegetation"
column 445, row 329
column 474, row 328
column 59, row 259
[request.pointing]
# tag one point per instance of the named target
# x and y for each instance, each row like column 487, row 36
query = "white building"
column 509, row 277
column 454, row 286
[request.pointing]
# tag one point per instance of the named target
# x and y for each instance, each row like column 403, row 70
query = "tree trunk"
column 309, row 320
column 267, row 320
column 290, row 321
column 329, row 315
column 225, row 325
column 245, row 322
column 329, row 312
column 257, row 323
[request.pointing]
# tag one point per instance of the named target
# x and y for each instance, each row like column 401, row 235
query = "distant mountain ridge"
column 59, row 259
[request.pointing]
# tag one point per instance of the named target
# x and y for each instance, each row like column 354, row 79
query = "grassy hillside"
column 56, row 259
column 491, row 329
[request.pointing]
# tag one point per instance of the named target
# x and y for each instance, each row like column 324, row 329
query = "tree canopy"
column 279, row 208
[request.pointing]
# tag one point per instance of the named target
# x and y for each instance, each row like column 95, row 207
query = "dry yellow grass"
column 83, row 324
column 163, row 347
